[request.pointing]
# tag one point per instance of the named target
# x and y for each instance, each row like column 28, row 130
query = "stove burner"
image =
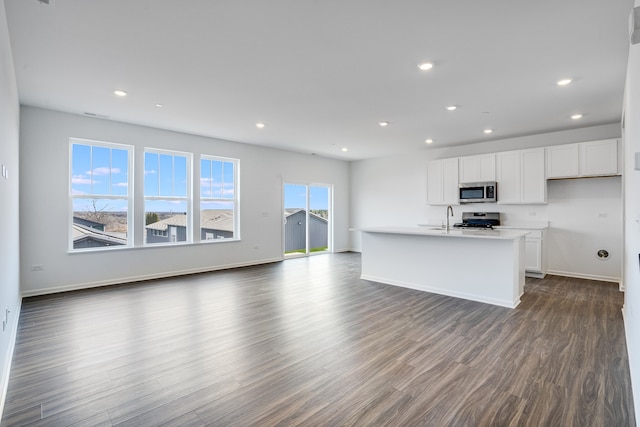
column 479, row 220
column 469, row 225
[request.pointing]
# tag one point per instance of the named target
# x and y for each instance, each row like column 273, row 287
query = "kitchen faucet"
column 449, row 209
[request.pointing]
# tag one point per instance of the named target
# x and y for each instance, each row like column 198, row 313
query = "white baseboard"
column 121, row 280
column 584, row 276
column 630, row 357
column 6, row 369
column 441, row 291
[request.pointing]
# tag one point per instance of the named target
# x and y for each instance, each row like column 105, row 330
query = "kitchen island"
column 479, row 265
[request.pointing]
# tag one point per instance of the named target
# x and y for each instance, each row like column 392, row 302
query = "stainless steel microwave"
column 479, row 192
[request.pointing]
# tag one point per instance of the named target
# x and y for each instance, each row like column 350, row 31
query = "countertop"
column 539, row 225
column 439, row 232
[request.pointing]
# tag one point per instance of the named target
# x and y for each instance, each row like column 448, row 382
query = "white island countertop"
column 453, row 232
column 479, row 265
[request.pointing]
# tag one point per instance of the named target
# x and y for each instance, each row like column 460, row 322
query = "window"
column 167, row 200
column 100, row 195
column 218, row 198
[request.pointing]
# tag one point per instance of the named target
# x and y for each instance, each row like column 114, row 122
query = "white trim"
column 585, row 276
column 442, row 291
column 235, row 201
column 630, row 357
column 119, row 281
column 187, row 198
column 6, row 369
column 130, row 149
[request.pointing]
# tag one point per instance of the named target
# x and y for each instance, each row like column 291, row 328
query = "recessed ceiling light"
column 451, row 107
column 345, row 149
column 259, row 125
column 564, row 82
column 159, row 105
column 120, row 92
column 425, row 66
column 487, row 131
column 576, row 116
column 383, row 124
column 428, row 141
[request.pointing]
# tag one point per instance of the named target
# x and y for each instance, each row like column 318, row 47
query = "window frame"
column 129, row 197
column 188, row 197
column 235, row 200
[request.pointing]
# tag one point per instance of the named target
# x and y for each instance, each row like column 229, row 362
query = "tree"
column 98, row 214
column 151, row 217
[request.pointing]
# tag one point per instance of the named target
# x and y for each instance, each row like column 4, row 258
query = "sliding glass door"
column 307, row 227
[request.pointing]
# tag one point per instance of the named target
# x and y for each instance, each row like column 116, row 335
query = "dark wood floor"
column 306, row 342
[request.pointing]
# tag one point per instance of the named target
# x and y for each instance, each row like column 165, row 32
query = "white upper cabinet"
column 562, row 161
column 509, row 177
column 442, row 182
column 585, row 159
column 521, row 177
column 479, row 168
column 599, row 158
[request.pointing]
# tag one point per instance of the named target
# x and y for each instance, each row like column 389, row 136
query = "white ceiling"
column 321, row 74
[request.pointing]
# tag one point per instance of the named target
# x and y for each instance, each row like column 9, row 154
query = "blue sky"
column 295, row 197
column 104, row 171
column 101, row 171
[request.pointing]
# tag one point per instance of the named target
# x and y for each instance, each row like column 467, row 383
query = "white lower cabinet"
column 534, row 262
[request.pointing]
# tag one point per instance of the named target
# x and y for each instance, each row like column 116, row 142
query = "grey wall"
column 632, row 219
column 44, row 153
column 9, row 244
column 584, row 214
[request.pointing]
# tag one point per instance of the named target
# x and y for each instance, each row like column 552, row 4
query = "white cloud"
column 81, row 179
column 149, row 172
column 121, row 184
column 105, row 171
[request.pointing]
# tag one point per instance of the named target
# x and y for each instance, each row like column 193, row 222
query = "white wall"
column 44, row 154
column 392, row 191
column 632, row 219
column 9, row 243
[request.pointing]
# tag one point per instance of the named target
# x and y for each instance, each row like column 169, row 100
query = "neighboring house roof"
column 87, row 222
column 289, row 212
column 179, row 220
column 217, row 219
column 81, row 233
column 213, row 219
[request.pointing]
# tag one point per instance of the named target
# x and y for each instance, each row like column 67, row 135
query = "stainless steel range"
column 481, row 220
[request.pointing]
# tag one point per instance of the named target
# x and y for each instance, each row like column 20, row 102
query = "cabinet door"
column 534, row 184
column 486, row 167
column 450, row 192
column 442, row 182
column 533, row 255
column 468, row 171
column 434, row 183
column 599, row 158
column 562, row 161
column 508, row 176
column 479, row 168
